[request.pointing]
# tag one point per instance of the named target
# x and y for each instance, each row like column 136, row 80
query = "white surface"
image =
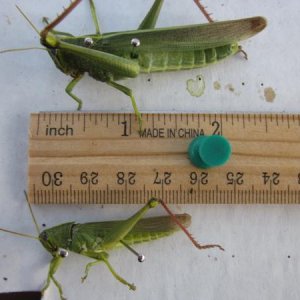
column 258, row 239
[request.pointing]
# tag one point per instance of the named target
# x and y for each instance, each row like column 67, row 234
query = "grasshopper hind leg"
column 127, row 91
column 45, row 20
column 151, row 17
column 94, row 16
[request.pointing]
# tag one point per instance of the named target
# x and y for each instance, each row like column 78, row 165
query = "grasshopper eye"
column 88, row 42
column 63, row 252
column 44, row 236
column 135, row 42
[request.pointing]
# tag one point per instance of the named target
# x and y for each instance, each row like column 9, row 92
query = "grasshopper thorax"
column 57, row 237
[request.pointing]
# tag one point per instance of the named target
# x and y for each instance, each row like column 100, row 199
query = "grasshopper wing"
column 91, row 235
column 192, row 37
column 156, row 227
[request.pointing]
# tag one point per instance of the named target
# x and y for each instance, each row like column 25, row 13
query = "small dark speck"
column 261, row 84
column 215, row 259
column 243, row 83
column 199, row 78
column 8, row 20
column 191, row 191
column 5, row 278
column 149, row 79
column 289, row 256
column 233, row 256
column 44, row 225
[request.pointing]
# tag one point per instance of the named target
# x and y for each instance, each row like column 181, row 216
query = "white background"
column 262, row 243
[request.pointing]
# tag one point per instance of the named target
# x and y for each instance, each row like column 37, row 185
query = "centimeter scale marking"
column 102, row 158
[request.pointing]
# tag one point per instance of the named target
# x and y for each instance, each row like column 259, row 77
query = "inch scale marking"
column 102, row 158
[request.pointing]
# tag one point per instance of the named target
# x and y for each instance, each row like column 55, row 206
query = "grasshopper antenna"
column 28, row 48
column 32, row 215
column 21, row 49
column 25, row 234
column 140, row 257
column 20, row 234
column 186, row 231
column 27, row 19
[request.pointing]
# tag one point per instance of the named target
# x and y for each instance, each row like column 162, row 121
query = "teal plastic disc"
column 209, row 151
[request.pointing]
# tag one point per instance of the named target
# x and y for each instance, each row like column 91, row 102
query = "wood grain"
column 102, row 158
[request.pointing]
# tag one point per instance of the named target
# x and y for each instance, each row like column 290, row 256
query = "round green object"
column 209, row 151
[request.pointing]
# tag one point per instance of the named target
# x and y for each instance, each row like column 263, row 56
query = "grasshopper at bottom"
column 96, row 239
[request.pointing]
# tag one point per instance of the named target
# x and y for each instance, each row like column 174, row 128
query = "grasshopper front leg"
column 103, row 257
column 70, row 88
column 117, row 276
column 116, row 234
column 88, row 266
column 54, row 264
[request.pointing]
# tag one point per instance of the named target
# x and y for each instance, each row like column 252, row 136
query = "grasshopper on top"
column 113, row 56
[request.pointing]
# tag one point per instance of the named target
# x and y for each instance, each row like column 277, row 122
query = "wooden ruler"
column 102, row 158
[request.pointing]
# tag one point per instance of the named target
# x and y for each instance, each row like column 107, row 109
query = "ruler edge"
column 265, row 115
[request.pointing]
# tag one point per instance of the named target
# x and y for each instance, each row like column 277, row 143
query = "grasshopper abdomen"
column 175, row 61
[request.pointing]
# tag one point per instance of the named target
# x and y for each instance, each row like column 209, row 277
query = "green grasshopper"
column 109, row 57
column 96, row 239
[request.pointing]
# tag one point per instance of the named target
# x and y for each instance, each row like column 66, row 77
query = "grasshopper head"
column 49, row 40
column 57, row 237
